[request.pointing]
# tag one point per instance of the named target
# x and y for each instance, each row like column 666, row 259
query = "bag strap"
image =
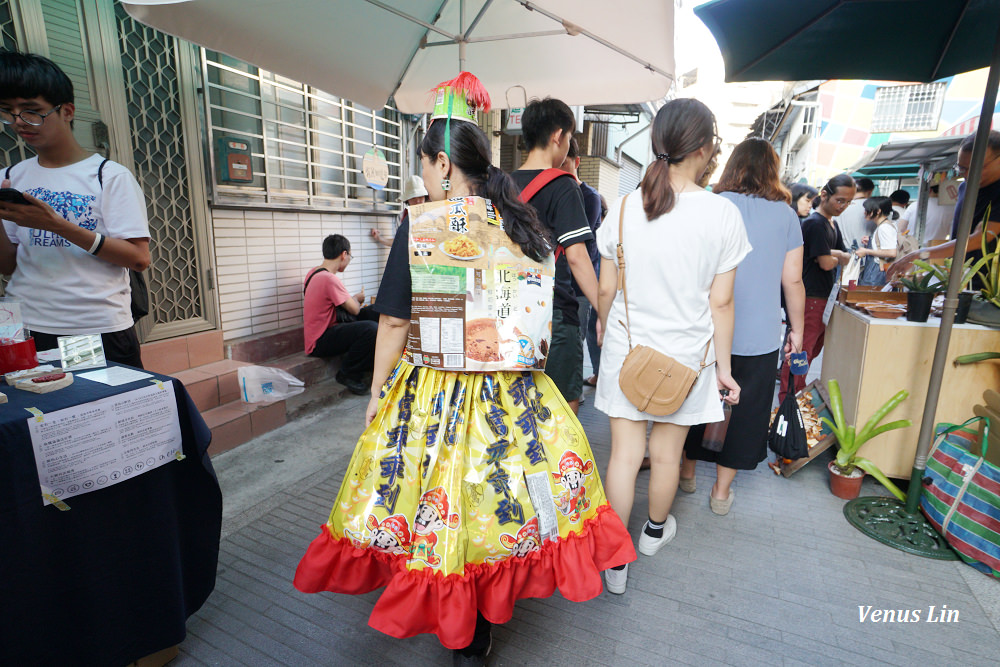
column 958, row 427
column 540, row 181
column 100, row 173
column 622, row 284
column 309, row 278
column 6, row 174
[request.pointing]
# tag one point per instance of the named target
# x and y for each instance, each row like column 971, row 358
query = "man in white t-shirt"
column 67, row 250
column 937, row 225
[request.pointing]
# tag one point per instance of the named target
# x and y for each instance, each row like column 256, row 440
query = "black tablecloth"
column 114, row 578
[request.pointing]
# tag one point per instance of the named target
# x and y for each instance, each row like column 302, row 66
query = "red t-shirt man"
column 326, row 335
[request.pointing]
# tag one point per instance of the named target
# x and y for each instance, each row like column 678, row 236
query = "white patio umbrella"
column 584, row 52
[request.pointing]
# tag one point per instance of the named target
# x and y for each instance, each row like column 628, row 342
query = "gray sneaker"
column 650, row 545
column 615, row 580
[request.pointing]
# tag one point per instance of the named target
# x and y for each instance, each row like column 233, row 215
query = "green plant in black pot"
column 942, row 270
column 922, row 282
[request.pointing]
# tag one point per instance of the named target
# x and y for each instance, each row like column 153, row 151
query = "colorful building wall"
column 847, row 107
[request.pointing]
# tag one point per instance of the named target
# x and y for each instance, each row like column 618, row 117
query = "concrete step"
column 308, row 369
column 237, row 422
column 173, row 355
column 214, row 384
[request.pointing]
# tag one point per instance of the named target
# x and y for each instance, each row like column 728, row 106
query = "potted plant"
column 848, row 470
column 922, row 282
column 943, row 272
column 986, row 307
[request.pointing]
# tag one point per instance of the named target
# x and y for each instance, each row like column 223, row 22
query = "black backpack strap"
column 306, row 286
column 100, row 173
column 7, row 173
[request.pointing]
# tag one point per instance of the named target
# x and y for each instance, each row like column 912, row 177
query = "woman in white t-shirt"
column 881, row 247
column 682, row 245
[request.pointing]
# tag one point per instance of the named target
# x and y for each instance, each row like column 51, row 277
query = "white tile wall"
column 262, row 258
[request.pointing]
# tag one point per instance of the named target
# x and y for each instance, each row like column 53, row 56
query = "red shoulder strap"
column 540, row 181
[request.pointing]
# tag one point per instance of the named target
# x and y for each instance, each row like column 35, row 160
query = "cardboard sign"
column 375, row 169
column 477, row 302
column 948, row 193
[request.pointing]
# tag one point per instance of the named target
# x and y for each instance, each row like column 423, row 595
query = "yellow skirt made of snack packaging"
column 468, row 491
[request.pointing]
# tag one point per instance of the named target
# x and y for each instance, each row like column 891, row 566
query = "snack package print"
column 478, row 303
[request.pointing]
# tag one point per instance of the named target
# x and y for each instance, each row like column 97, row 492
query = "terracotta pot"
column 844, row 486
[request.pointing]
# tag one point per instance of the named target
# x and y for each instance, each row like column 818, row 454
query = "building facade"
column 230, row 248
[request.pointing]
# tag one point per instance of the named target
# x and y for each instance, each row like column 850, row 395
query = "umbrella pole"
column 886, row 519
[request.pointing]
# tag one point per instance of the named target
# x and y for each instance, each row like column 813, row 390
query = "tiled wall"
column 600, row 174
column 262, row 258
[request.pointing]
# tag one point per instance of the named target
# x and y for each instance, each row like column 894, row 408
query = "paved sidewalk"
column 778, row 581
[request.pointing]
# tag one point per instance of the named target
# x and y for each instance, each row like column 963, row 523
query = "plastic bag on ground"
column 264, row 384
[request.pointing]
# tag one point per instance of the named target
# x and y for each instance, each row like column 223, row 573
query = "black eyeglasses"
column 960, row 170
column 29, row 117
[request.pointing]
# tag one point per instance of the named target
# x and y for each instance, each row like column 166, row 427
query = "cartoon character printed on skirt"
column 391, row 536
column 572, row 473
column 432, row 516
column 528, row 539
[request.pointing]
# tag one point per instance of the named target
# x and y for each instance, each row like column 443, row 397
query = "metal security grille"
column 908, row 108
column 154, row 110
column 306, row 146
column 11, row 150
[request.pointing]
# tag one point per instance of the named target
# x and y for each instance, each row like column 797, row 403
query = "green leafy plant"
column 922, row 277
column 989, row 266
column 942, row 271
column 850, row 441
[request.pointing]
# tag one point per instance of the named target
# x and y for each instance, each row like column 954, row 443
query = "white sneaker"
column 615, row 580
column 650, row 545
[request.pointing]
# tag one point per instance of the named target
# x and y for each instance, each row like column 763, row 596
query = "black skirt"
column 746, row 439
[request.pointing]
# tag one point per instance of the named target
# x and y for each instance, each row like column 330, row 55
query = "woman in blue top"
column 751, row 181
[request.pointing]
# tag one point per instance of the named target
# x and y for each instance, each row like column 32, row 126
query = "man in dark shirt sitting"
column 823, row 251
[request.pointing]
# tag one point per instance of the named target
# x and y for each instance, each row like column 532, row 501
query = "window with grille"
column 908, row 108
column 306, row 146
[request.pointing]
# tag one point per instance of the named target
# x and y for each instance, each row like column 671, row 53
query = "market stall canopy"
column 785, row 40
column 902, row 159
column 370, row 50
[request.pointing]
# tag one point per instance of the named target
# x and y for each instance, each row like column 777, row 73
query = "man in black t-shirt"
column 987, row 197
column 823, row 251
column 548, row 127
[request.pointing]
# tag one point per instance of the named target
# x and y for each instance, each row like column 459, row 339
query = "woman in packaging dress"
column 469, row 488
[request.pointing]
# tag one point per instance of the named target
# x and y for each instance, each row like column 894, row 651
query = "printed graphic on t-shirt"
column 73, row 207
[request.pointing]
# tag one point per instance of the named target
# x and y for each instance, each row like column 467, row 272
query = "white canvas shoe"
column 615, row 580
column 650, row 545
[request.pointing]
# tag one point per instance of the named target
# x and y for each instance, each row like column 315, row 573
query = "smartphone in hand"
column 12, row 196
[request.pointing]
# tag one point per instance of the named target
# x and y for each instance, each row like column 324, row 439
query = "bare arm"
column 903, row 264
column 720, row 300
column 833, row 260
column 8, row 254
column 389, row 344
column 377, row 235
column 795, row 297
column 884, row 254
column 129, row 253
column 606, row 291
column 583, row 271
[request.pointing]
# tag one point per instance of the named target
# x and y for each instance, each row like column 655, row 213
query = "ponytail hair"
column 680, row 128
column 470, row 154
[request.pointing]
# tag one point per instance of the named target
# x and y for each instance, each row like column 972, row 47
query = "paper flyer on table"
column 91, row 446
column 115, row 375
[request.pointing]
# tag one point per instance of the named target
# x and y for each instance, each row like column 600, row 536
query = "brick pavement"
column 777, row 582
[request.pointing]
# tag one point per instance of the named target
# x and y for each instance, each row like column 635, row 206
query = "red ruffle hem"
column 425, row 601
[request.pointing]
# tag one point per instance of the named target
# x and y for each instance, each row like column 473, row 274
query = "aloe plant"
column 923, row 277
column 850, row 441
column 989, row 266
column 942, row 271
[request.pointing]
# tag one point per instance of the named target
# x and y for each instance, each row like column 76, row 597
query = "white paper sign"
column 115, row 375
column 95, row 445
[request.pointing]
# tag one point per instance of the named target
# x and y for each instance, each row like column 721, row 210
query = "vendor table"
column 874, row 358
column 116, row 577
